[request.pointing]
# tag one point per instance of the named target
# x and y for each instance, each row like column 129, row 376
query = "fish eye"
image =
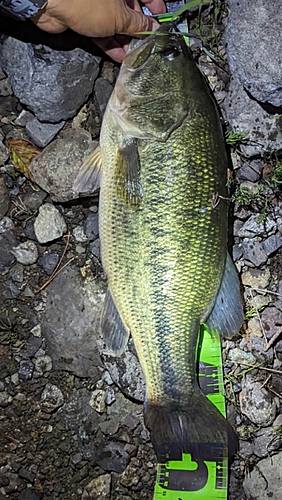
column 171, row 52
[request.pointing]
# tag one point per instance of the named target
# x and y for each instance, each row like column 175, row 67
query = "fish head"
column 151, row 96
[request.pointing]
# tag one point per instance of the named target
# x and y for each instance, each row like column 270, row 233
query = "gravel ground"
column 71, row 414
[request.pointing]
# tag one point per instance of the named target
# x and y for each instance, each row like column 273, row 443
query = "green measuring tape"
column 199, row 479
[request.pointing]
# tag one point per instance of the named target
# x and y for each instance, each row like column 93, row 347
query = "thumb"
column 134, row 21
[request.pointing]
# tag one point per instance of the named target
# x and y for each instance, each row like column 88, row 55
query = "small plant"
column 277, row 175
column 236, row 138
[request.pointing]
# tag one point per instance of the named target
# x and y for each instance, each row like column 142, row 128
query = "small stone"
column 5, row 88
column 26, row 474
column 36, row 331
column 42, row 133
column 266, row 440
column 238, row 356
column 114, row 457
column 254, row 251
column 253, row 227
column 15, row 378
column 106, row 377
column 95, row 248
column 17, row 274
column 75, row 459
column 33, row 344
column 26, row 253
column 92, row 226
column 49, row 225
column 265, row 480
column 256, row 403
column 7, row 242
column 110, row 396
column 23, row 118
column 250, row 171
column 271, row 319
column 4, row 154
column 4, row 198
column 28, row 494
column 103, row 90
column 43, row 364
column 51, row 398
column 8, row 290
column 80, row 249
column 256, row 346
column 97, row 400
column 256, row 278
column 98, row 489
column 109, row 427
column 272, row 244
column 34, row 199
column 5, row 399
column 49, row 261
column 79, row 234
column 26, row 370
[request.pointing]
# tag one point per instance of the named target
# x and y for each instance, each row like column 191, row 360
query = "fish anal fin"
column 127, row 174
column 88, row 178
column 115, row 334
column 227, row 316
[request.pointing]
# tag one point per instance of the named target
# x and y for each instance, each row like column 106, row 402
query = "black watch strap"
column 22, row 9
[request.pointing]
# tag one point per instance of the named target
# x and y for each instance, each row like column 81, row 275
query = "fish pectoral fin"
column 227, row 315
column 115, row 334
column 88, row 179
column 127, row 174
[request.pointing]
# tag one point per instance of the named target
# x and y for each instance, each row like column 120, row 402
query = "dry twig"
column 272, row 340
column 58, row 269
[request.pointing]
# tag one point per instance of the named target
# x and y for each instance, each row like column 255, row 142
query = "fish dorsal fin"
column 227, row 315
column 128, row 174
column 115, row 334
column 88, row 179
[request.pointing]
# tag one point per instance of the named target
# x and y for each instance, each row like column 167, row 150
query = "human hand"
column 105, row 21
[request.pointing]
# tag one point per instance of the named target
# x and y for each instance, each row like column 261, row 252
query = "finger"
column 155, row 6
column 111, row 47
column 132, row 21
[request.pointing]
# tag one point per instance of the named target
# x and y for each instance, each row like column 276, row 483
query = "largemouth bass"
column 162, row 169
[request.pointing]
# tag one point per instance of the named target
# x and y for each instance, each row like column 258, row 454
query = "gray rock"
column 23, row 118
column 28, row 494
column 250, row 171
column 42, row 133
column 5, row 399
column 33, row 344
column 98, row 488
column 238, row 356
column 110, row 396
column 57, row 96
column 271, row 319
column 245, row 114
column 256, row 278
column 266, row 440
column 4, row 154
column 34, row 199
column 82, row 421
column 265, row 480
column 254, row 251
column 26, row 370
column 97, row 401
column 91, row 227
column 95, row 248
column 49, row 261
column 256, row 346
column 74, row 306
column 4, row 198
column 5, row 88
column 272, row 244
column 114, row 457
column 26, row 253
column 256, row 62
column 103, row 90
column 126, row 372
column 17, row 274
column 7, row 258
column 49, row 224
column 51, row 398
column 43, row 364
column 79, row 234
column 56, row 168
column 256, row 403
column 253, row 227
column 8, row 290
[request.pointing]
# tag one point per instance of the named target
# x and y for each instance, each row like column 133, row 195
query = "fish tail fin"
column 197, row 428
